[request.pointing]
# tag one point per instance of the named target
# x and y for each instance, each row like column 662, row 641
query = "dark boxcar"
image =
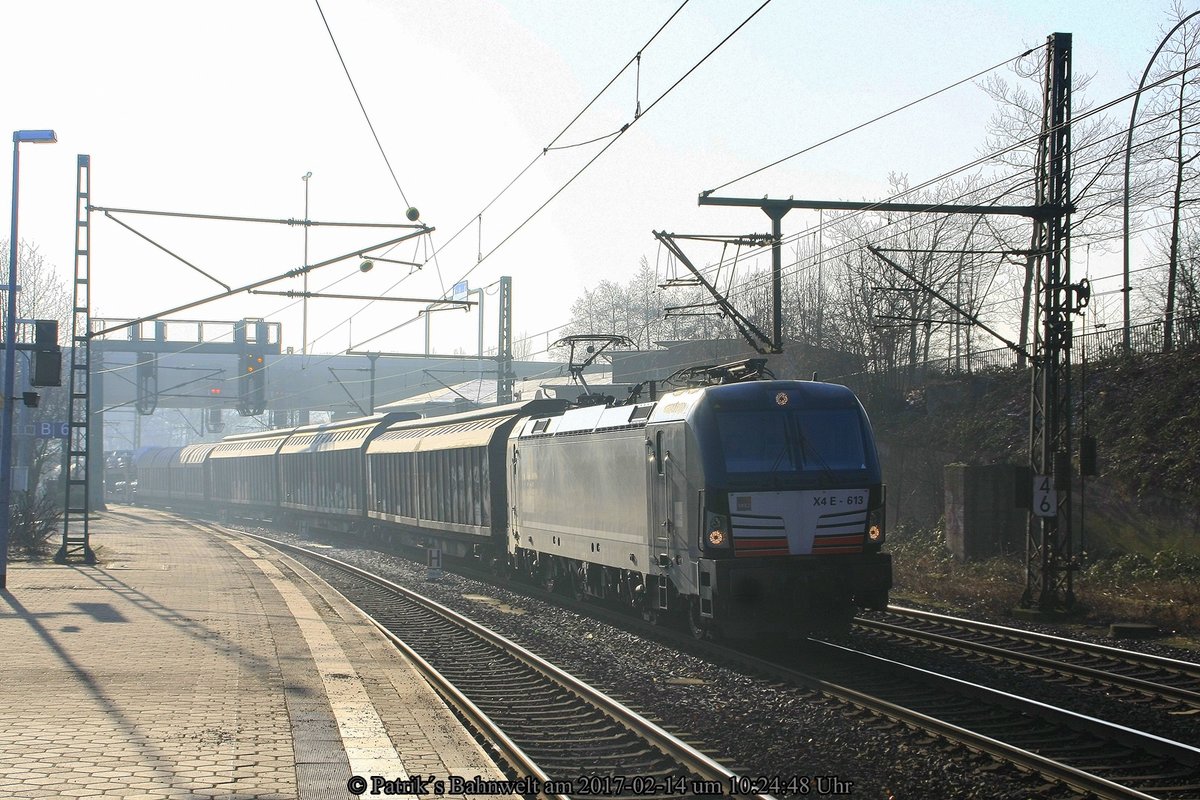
column 190, row 474
column 244, row 471
column 441, row 480
column 322, row 468
column 154, row 468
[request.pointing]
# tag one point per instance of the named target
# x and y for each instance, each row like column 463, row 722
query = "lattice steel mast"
column 75, row 473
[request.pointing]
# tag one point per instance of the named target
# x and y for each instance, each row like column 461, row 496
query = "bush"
column 1130, row 568
column 34, row 524
column 1162, row 589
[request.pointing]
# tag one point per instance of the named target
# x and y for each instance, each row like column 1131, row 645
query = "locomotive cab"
column 790, row 519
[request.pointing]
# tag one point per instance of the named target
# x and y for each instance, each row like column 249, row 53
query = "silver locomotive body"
column 748, row 509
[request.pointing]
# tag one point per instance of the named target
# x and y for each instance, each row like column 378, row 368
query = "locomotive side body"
column 578, row 498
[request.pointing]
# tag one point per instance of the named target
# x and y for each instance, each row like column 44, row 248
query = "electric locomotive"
column 748, row 509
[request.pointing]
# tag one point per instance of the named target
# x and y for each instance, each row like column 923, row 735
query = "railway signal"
column 47, row 355
column 252, row 385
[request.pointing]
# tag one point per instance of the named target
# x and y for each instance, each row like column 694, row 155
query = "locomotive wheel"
column 548, row 578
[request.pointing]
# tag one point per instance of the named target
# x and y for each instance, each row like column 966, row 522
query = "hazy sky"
column 220, row 107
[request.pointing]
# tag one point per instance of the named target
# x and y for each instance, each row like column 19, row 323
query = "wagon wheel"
column 579, row 585
column 695, row 623
column 548, row 577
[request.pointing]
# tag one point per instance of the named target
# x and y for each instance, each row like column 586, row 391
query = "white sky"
column 220, row 107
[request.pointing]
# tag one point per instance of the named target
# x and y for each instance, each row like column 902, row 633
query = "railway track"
column 567, row 738
column 1094, row 757
column 1169, row 684
column 1090, row 756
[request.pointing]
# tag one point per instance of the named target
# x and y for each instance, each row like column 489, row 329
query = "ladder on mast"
column 75, row 449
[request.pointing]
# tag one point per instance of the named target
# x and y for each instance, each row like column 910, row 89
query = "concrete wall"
column 982, row 517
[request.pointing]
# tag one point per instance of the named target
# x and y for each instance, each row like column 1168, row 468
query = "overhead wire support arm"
column 972, row 318
column 391, row 260
column 751, row 332
column 273, row 221
column 250, row 286
column 342, row 386
column 176, row 256
column 1037, row 212
column 464, row 304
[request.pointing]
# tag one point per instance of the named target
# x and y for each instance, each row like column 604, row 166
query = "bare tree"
column 1012, row 146
column 43, row 295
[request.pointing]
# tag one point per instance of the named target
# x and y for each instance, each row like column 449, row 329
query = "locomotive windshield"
column 792, row 441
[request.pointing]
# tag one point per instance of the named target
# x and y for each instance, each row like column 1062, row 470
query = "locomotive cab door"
column 666, row 531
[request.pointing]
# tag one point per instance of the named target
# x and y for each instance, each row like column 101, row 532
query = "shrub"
column 34, row 523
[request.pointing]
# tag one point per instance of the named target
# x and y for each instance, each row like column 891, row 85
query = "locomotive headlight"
column 716, row 530
column 876, row 527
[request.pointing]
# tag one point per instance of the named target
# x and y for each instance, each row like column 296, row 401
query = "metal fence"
column 1146, row 338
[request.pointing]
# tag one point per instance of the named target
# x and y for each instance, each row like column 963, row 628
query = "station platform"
column 193, row 663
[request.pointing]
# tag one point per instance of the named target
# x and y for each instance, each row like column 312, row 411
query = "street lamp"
column 10, row 355
column 1137, row 96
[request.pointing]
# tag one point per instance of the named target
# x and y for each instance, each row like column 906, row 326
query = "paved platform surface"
column 188, row 663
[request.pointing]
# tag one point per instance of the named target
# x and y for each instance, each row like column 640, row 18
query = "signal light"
column 47, row 354
column 216, row 390
column 252, row 385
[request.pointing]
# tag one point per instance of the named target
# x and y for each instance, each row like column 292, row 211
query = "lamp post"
column 1125, row 287
column 304, row 323
column 10, row 355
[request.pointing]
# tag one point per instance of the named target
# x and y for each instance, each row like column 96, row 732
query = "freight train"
column 749, row 509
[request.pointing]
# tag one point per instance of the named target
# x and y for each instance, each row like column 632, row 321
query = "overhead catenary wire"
column 872, row 121
column 547, row 148
column 1007, row 179
column 481, row 257
column 606, row 147
column 616, row 138
column 552, row 198
column 478, row 217
column 361, row 105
